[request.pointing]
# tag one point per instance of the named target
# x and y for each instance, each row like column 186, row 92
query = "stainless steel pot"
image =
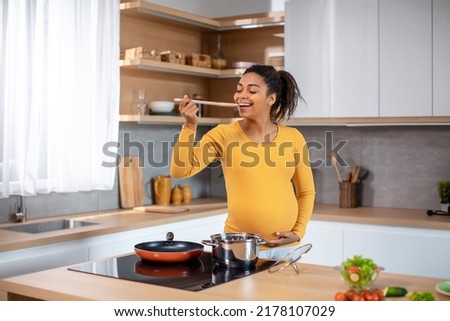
column 235, row 249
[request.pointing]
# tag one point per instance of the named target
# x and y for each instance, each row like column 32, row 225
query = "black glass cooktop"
column 194, row 275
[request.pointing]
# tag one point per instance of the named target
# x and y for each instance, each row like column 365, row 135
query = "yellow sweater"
column 259, row 177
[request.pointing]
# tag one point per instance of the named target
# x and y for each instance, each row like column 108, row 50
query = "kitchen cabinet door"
column 41, row 258
column 326, row 239
column 307, row 53
column 405, row 58
column 441, row 61
column 354, row 61
column 422, row 252
column 332, row 50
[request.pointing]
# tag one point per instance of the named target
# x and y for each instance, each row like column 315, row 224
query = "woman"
column 269, row 183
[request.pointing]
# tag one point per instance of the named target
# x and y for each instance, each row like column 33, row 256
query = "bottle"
column 219, row 61
column 200, row 106
column 177, row 195
column 187, row 193
column 139, row 105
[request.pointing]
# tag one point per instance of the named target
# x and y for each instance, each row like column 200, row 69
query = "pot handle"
column 209, row 242
column 261, row 241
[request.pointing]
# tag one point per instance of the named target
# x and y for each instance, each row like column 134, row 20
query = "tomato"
column 380, row 293
column 340, row 296
column 373, row 297
column 358, row 297
column 365, row 294
column 350, row 294
column 353, row 269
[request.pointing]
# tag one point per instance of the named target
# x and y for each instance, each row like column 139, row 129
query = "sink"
column 48, row 226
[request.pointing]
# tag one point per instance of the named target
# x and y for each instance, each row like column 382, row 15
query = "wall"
column 404, row 164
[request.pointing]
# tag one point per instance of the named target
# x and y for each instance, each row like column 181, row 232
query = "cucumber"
column 393, row 291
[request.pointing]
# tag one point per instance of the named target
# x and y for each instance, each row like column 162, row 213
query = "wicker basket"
column 348, row 194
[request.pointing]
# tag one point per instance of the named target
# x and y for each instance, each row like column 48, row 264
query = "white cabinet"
column 41, row 258
column 422, row 252
column 405, row 58
column 354, row 61
column 327, row 241
column 414, row 251
column 372, row 58
column 307, row 53
column 332, row 51
column 441, row 61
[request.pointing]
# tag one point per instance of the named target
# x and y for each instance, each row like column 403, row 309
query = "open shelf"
column 152, row 65
column 144, row 10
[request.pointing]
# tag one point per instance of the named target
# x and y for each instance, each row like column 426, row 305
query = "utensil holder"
column 348, row 194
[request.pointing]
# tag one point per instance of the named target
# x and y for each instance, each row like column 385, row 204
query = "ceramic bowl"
column 161, row 106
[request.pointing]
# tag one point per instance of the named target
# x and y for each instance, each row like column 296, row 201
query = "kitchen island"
column 313, row 283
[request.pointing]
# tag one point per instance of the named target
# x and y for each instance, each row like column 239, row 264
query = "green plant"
column 444, row 191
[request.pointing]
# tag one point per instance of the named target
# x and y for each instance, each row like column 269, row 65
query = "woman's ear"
column 272, row 98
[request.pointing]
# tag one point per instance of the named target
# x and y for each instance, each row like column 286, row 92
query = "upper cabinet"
column 384, row 60
column 405, row 58
column 441, row 54
column 154, row 27
column 332, row 50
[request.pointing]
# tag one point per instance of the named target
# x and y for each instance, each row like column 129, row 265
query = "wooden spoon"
column 355, row 174
column 334, row 161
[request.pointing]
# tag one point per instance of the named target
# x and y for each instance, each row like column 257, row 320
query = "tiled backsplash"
column 404, row 164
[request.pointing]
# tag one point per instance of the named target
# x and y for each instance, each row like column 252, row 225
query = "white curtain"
column 59, row 94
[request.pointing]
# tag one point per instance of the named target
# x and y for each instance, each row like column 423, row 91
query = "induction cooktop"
column 193, row 275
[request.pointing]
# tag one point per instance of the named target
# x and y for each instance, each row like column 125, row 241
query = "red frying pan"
column 168, row 250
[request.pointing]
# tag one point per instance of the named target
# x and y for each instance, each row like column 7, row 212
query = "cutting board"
column 131, row 182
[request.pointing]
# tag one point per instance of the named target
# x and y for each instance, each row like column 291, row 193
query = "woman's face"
column 251, row 96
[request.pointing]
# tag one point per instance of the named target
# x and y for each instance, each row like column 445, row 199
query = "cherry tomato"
column 340, row 296
column 358, row 297
column 350, row 294
column 373, row 297
column 365, row 294
column 353, row 269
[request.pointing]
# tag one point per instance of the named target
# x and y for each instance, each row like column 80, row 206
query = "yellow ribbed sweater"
column 259, row 177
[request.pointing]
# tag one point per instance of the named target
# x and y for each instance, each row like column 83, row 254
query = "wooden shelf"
column 348, row 122
column 152, row 65
column 172, row 120
column 145, row 10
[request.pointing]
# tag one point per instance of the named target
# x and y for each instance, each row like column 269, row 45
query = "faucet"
column 20, row 212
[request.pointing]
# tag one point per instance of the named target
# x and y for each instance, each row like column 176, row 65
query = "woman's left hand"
column 283, row 239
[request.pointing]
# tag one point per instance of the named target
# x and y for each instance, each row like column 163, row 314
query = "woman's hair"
column 283, row 84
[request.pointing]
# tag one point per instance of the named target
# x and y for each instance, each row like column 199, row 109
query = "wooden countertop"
column 414, row 218
column 313, row 283
column 125, row 220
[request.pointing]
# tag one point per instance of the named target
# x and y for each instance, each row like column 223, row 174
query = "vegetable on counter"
column 421, row 296
column 364, row 295
column 394, row 291
column 359, row 272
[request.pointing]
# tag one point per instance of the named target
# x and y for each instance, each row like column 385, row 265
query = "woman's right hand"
column 189, row 111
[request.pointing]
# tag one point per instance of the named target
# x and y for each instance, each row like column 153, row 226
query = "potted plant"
column 444, row 194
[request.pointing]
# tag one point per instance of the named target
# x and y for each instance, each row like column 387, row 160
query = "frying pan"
column 168, row 250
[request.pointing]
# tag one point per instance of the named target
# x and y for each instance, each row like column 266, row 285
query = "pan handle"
column 209, row 242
